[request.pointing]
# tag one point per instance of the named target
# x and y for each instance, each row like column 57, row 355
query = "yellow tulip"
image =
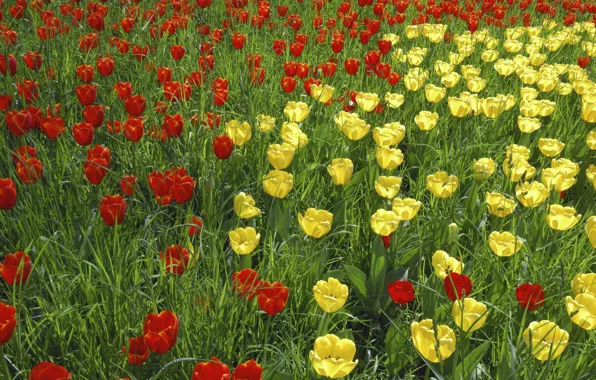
column 280, row 156
column 341, row 170
column 531, row 194
column 386, row 136
column 278, row 183
column 265, row 123
column 451, row 79
column 537, row 59
column 504, row 67
column 591, row 139
column 399, row 128
column 434, row 94
column 393, row 38
column 445, row 264
column 240, row 133
column 465, row 50
column 555, row 179
column 504, row 244
column 413, row 31
column 530, row 108
column 550, row 147
column 528, row 93
column 547, row 341
column 433, row 343
column 483, row 168
column 244, row 206
column 443, row 68
column 399, row 56
column 389, row 158
column 456, row 58
column 512, row 46
column 384, row 222
column 426, row 120
column 292, row 134
column 406, row 209
column 489, row 55
column 244, row 240
column 518, row 169
column 547, row 82
column 589, row 108
column 367, row 102
column 322, row 93
column 296, row 112
column 561, row 218
column 528, row 124
column 333, row 357
column 476, row 84
column 469, row 314
column 442, row 184
column 351, row 125
column 591, row 174
column 591, row 230
column 416, row 55
column 493, row 106
column 474, row 101
column 584, row 283
column 413, row 82
column 499, row 205
column 459, row 107
column 582, row 86
column 582, row 310
column 546, row 108
column 387, row 187
column 315, row 223
column 469, row 72
column 564, row 89
column 331, row 295
column 394, row 100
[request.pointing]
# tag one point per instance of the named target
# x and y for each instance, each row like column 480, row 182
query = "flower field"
column 297, row 189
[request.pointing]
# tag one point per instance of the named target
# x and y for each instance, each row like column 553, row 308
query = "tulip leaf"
column 338, row 274
column 398, row 349
column 378, row 268
column 466, row 368
column 356, row 179
column 358, row 280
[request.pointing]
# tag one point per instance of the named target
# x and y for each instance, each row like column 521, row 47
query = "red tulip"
column 36, row 116
column 203, row 3
column 83, row 133
column 401, row 292
column 16, row 268
column 140, row 52
column 290, row 68
column 86, row 94
column 161, row 331
column 272, row 298
column 52, row 127
column 211, row 120
column 112, row 209
column 176, row 259
column 372, row 58
column 295, row 22
column 33, row 60
column 457, row 286
column 22, row 153
column 177, row 52
column 253, row 60
column 213, row 370
column 161, row 184
column 49, row 371
column 302, row 70
column 183, row 188
column 249, row 370
column 95, row 170
column 29, row 90
column 288, row 84
column 99, row 151
column 238, row 40
column 8, row 61
column 164, row 74
column 393, row 78
column 282, row 10
column 124, row 90
column 8, row 322
column 246, row 283
column 5, row 102
column 18, row 122
column 583, row 62
column 309, row 82
column 105, row 66
column 29, row 170
column 176, row 91
column 530, row 296
column 135, row 105
column 173, row 125
column 279, row 46
column 257, row 76
column 296, row 49
column 351, row 65
column 94, row 115
column 196, row 225
column 365, row 37
column 223, row 146
column 128, row 184
column 384, row 46
column 8, row 194
column 138, row 350
column 383, row 70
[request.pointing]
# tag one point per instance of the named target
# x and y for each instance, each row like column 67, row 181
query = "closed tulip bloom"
column 240, row 133
column 459, row 107
column 321, row 93
column 112, row 209
column 450, row 80
column 384, row 222
column 386, row 136
column 367, row 102
column 161, row 331
column 244, row 206
column 589, row 108
column 530, row 108
column 547, row 108
column 584, row 283
column 591, row 230
column 296, row 112
column 278, row 183
column 442, row 184
column 351, row 125
column 426, row 120
column 394, row 100
column 469, row 314
column 504, row 67
column 213, row 369
column 387, row 187
column 413, row 82
column 504, row 244
column 399, row 128
column 590, row 175
column 493, row 106
column 244, row 240
column 434, row 343
column 341, row 170
column 280, row 156
column 406, row 209
column 554, row 179
column 528, row 124
column 469, row 72
column 389, row 158
column 582, row 310
column 476, row 84
column 272, row 299
column 499, row 205
column 265, row 123
column 16, row 268
column 8, row 322
column 315, row 223
column 489, row 55
column 47, row 370
column 547, row 341
column 550, row 147
column 561, row 218
column 531, row 194
column 445, row 264
column 434, row 94
column 518, row 169
column 333, row 357
column 293, row 135
column 483, row 168
column 443, row 68
column 331, row 295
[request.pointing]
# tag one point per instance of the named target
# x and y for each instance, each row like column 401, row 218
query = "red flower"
column 530, row 296
column 223, row 146
column 246, row 283
column 176, row 91
column 105, row 66
column 296, row 49
column 279, row 46
column 164, row 74
column 238, row 40
column 249, row 370
column 253, row 60
column 49, row 371
column 18, row 122
column 8, row 322
column 211, row 120
column 8, row 61
column 161, row 184
column 455, row 282
column 196, row 225
column 124, row 90
column 173, row 125
column 83, row 133
column 401, row 292
column 29, row 170
column 135, row 105
column 393, row 78
column 138, row 350
column 183, row 188
column 128, row 184
column 5, row 102
column 309, row 82
column 302, row 70
column 52, row 127
column 140, row 52
column 272, row 298
column 282, row 10
column 288, row 84
column 16, row 268
column 28, row 89
column 8, row 194
column 134, row 129
column 33, row 60
column 86, row 93
column 176, row 259
column 161, row 331
column 95, row 169
column 177, row 52
column 112, row 209
column 351, row 65
column 203, row 4
column 257, row 76
column 94, row 115
column 213, row 370
column 22, row 153
column 583, row 62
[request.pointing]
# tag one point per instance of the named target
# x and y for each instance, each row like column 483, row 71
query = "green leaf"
column 338, row 274
column 465, row 369
column 378, row 268
column 399, row 353
column 357, row 279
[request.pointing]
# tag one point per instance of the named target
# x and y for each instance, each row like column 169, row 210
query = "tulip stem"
column 246, row 261
column 324, row 325
column 267, row 326
column 5, row 362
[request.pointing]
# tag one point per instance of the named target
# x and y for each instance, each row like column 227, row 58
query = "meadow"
column 297, row 189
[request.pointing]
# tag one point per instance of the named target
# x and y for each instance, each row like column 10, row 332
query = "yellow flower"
column 244, row 206
column 341, row 170
column 504, row 244
column 389, row 158
column 517, row 169
column 589, row 108
column 591, row 140
column 469, row 314
column 296, row 112
column 582, row 310
column 333, row 357
column 266, row 123
column 387, row 187
column 244, row 240
column 564, row 89
column 315, row 223
column 546, row 108
column 476, row 84
column 442, row 184
column 512, row 46
column 416, row 55
column 474, row 101
column 386, row 136
column 433, row 93
column 322, row 93
column 528, row 93
column 459, row 107
column 293, row 135
column 413, row 31
column 547, row 82
column 527, row 75
column 384, row 222
column 445, row 264
column 394, row 100
column 469, row 72
column 451, row 79
column 537, row 59
column 399, row 128
column 331, row 295
column 280, row 156
column 406, row 209
column 531, row 194
column 555, row 179
column 591, row 230
column 504, row 67
column 591, row 174
column 546, row 340
column 434, row 344
column 278, row 183
column 367, row 101
column 456, row 58
column 493, row 106
column 443, row 68
column 561, row 218
column 351, row 125
column 240, row 133
column 550, row 147
column 399, row 56
column 528, row 124
column 530, row 108
column 393, row 38
column 483, row 168
column 584, row 283
column 499, row 205
column 489, row 55
column 413, row 82
column 426, row 120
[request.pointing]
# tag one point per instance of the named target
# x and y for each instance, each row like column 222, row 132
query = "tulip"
column 518, row 169
column 244, row 240
column 248, row 370
column 47, row 370
column 550, row 147
column 394, row 100
column 434, row 94
column 531, row 194
column 591, row 140
column 214, row 369
column 333, row 357
column 499, row 205
column 388, row 187
column 272, row 298
column 451, row 79
column 530, row 296
column 389, row 158
column 296, row 112
column 434, row 343
column 292, row 134
column 16, row 268
column 547, row 341
column 561, row 218
column 265, row 123
column 504, row 244
column 367, row 101
column 582, row 310
column 176, row 259
column 8, row 322
column 321, row 93
column 590, row 174
column 315, row 223
column 341, row 170
column 280, row 156
column 426, row 120
column 351, row 125
column 330, row 295
column 244, row 206
column 278, row 183
column 442, row 184
column 459, row 107
column 406, row 209
column 399, row 128
column 384, row 222
column 223, row 147
column 112, row 209
column 29, row 170
column 445, row 264
column 528, row 124
column 401, row 292
column 589, row 108
column 240, row 133
column 387, row 136
column 161, row 331
column 483, row 168
column 584, row 283
column 493, row 106
column 469, row 314
column 591, row 230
